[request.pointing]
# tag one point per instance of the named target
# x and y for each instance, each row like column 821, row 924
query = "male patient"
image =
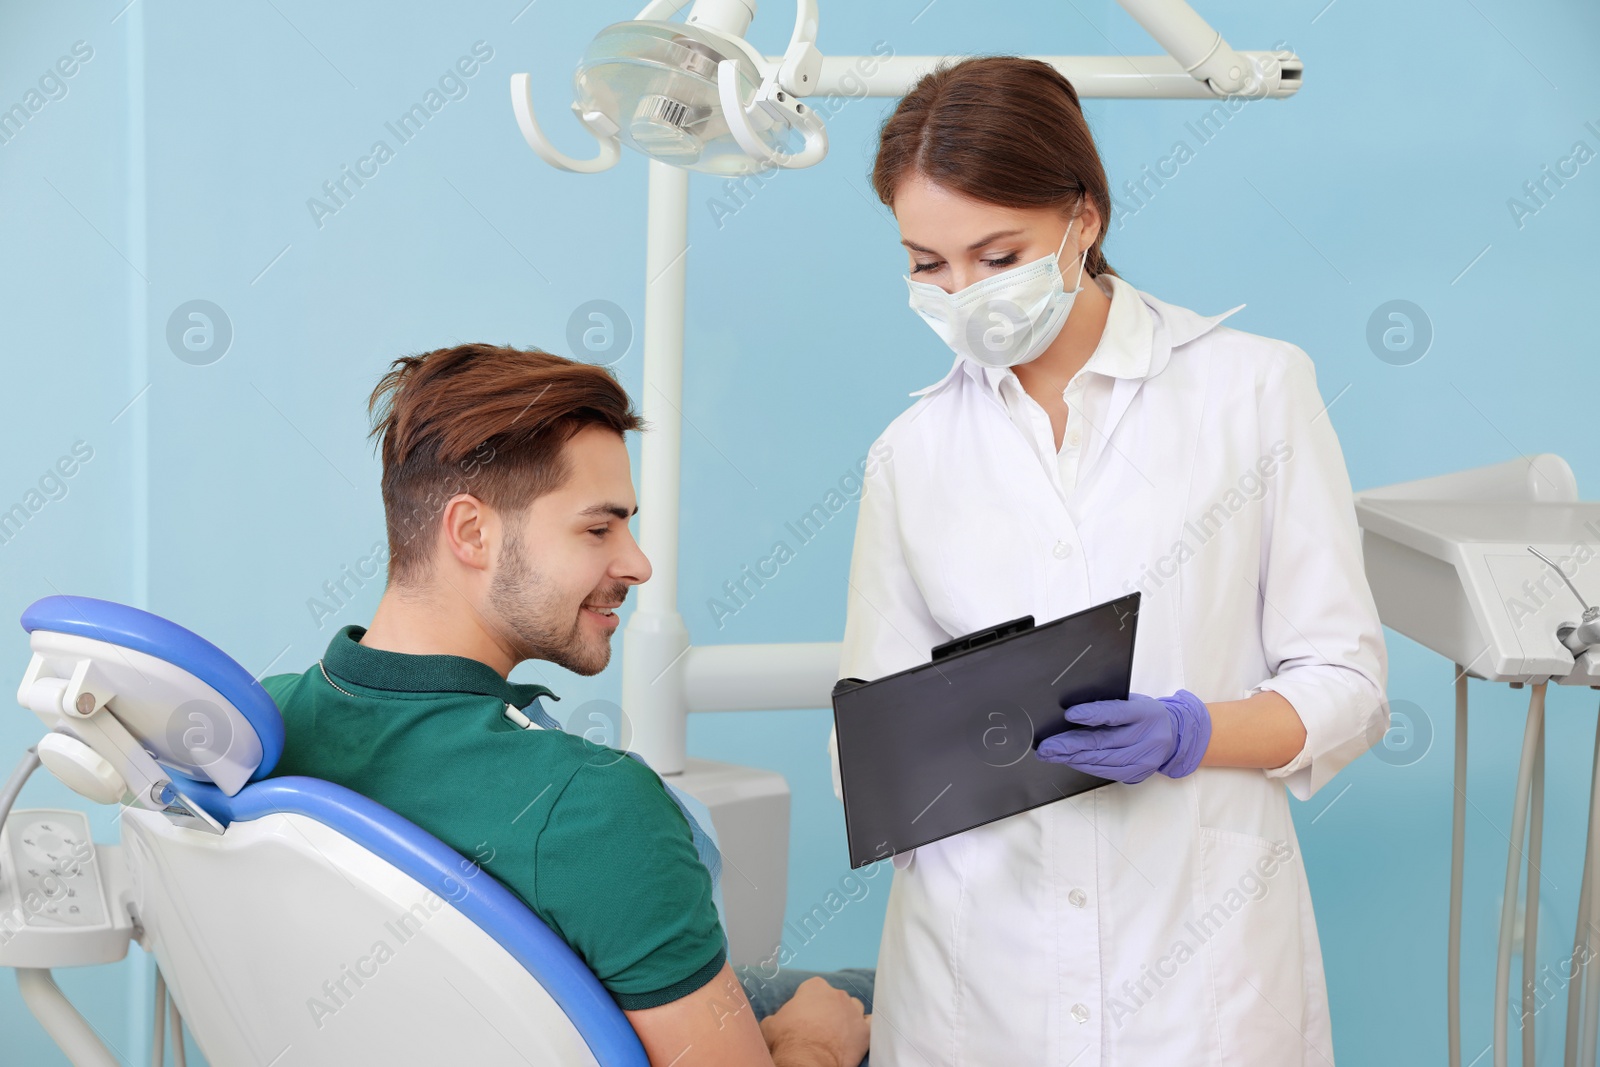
column 507, row 496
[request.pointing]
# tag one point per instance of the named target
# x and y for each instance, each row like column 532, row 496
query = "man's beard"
column 532, row 616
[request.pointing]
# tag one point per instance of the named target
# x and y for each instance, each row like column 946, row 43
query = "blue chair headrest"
column 119, row 624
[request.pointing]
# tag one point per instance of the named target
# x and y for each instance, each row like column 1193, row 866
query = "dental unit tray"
column 1490, row 567
column 948, row 745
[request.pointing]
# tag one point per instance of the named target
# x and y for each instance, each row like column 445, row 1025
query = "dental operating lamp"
column 697, row 95
column 693, row 94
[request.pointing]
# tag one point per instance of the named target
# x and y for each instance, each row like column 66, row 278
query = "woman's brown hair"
column 483, row 420
column 1000, row 129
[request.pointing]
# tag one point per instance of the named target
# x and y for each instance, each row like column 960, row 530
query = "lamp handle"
column 522, row 104
column 773, row 105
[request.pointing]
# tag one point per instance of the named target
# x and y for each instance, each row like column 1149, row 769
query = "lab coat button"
column 1062, row 550
column 1077, row 898
column 1080, row 1013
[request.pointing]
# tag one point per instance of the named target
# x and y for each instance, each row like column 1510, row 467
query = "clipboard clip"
column 982, row 637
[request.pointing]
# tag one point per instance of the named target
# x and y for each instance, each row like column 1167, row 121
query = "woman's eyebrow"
column 973, row 247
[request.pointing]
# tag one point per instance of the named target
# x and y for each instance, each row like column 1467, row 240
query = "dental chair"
column 295, row 922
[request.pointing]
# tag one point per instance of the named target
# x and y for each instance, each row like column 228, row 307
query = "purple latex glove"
column 1129, row 740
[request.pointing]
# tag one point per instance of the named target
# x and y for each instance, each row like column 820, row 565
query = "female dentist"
column 1086, row 443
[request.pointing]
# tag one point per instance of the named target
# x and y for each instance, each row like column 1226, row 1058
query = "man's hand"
column 714, row 1026
column 819, row 1025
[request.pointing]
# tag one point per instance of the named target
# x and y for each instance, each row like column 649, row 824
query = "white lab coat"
column 1167, row 922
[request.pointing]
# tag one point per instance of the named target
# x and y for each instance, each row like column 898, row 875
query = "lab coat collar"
column 1145, row 349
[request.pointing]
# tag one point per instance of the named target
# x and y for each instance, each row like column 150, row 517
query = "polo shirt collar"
column 401, row 672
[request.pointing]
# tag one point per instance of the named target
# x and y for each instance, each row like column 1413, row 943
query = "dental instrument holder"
column 1578, row 638
column 1471, row 565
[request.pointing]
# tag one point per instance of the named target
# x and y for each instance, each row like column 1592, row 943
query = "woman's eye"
column 1004, row 261
column 920, row 267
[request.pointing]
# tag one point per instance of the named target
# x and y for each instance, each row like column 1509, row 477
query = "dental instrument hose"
column 178, row 1053
column 1458, row 833
column 166, row 1005
column 1532, row 737
column 1530, row 908
column 1578, row 965
column 18, row 779
column 158, row 1032
column 1591, row 990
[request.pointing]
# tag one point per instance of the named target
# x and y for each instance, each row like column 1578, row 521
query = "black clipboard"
column 947, row 746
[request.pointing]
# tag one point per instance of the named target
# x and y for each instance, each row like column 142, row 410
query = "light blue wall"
column 73, row 293
column 179, row 165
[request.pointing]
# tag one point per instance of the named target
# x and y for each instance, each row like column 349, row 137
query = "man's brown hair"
column 485, row 420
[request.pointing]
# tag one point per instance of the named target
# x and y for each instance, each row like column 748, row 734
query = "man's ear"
column 470, row 527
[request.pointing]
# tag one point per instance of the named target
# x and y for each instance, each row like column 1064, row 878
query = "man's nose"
column 635, row 567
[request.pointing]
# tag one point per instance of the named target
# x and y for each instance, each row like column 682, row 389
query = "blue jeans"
column 767, row 995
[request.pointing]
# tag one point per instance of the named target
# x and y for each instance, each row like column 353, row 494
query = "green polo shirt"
column 586, row 837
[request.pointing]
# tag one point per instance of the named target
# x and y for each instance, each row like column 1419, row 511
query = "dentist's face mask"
column 1006, row 319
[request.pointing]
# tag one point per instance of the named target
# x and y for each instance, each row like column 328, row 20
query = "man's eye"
column 601, row 530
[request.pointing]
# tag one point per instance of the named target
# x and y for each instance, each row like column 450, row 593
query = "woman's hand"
column 1129, row 740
